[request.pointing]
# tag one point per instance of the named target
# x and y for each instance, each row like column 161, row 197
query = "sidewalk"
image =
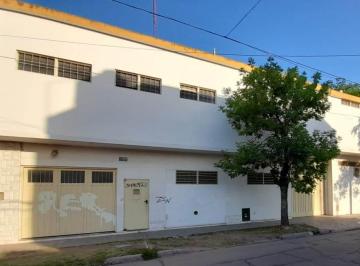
column 91, row 239
column 331, row 223
column 324, row 223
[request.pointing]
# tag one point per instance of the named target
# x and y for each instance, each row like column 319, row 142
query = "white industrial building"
column 105, row 130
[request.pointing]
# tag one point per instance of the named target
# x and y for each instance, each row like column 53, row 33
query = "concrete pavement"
column 326, row 223
column 331, row 223
column 338, row 249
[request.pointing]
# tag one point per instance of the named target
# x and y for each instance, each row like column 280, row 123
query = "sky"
column 283, row 27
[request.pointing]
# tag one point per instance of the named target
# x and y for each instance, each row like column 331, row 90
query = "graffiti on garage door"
column 69, row 202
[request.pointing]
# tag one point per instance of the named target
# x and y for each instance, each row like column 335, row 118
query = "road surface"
column 336, row 249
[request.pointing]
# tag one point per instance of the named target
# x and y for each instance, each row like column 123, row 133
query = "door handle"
column 146, row 201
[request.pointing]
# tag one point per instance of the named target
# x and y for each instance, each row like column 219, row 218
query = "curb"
column 138, row 257
column 296, row 235
column 123, row 259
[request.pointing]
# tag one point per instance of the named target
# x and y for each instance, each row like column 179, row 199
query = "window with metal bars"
column 208, row 177
column 40, row 176
column 186, row 177
column 102, row 177
column 196, row 177
column 72, row 176
column 260, row 179
column 36, row 63
column 150, row 84
column 126, row 80
column 206, row 95
column 197, row 94
column 188, row 92
column 350, row 103
column 74, row 70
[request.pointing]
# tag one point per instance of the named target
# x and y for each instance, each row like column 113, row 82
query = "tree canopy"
column 270, row 110
column 341, row 84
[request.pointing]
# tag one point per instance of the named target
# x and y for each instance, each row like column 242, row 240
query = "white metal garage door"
column 308, row 204
column 347, row 190
column 67, row 201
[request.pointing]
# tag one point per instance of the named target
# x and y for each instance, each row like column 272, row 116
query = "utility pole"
column 154, row 18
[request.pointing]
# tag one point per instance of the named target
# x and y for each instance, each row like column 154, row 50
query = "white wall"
column 346, row 188
column 346, row 121
column 215, row 204
column 42, row 106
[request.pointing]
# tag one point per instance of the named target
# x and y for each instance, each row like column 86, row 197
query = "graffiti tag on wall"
column 163, row 199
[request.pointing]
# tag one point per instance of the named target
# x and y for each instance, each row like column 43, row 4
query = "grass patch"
column 149, row 254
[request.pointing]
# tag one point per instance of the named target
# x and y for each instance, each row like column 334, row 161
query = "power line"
column 302, row 56
column 182, row 51
column 296, row 63
column 244, row 17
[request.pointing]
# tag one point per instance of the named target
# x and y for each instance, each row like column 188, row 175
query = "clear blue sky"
column 286, row 27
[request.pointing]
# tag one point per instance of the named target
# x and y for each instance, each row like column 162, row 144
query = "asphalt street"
column 336, row 249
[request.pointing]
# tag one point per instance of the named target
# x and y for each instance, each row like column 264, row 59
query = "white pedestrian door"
column 136, row 204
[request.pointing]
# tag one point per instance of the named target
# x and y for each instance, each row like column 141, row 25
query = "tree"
column 270, row 110
column 340, row 84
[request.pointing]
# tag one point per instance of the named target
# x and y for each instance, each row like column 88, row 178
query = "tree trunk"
column 284, row 205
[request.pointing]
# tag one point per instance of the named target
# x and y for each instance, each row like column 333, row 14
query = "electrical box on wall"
column 245, row 214
column 2, row 195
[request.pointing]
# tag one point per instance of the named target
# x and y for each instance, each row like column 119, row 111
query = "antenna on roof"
column 154, row 18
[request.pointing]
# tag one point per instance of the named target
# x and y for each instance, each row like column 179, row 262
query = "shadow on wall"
column 99, row 111
column 106, row 113
column 356, row 131
column 347, row 191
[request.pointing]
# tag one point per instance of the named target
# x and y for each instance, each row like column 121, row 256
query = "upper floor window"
column 350, row 103
column 206, row 95
column 74, row 70
column 197, row 94
column 150, row 84
column 134, row 81
column 188, row 92
column 36, row 63
column 126, row 80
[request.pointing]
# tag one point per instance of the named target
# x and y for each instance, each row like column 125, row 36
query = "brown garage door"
column 58, row 201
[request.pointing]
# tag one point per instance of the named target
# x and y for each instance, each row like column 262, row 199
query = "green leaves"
column 341, row 85
column 270, row 109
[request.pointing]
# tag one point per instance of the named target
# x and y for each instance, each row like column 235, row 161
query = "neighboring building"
column 104, row 129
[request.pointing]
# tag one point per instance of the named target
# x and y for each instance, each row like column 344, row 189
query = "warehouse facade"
column 106, row 130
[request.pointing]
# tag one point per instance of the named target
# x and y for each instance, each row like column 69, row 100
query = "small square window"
column 71, row 176
column 206, row 95
column 74, row 70
column 208, row 177
column 188, row 92
column 150, row 84
column 40, row 176
column 186, row 177
column 36, row 63
column 126, row 80
column 102, row 177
